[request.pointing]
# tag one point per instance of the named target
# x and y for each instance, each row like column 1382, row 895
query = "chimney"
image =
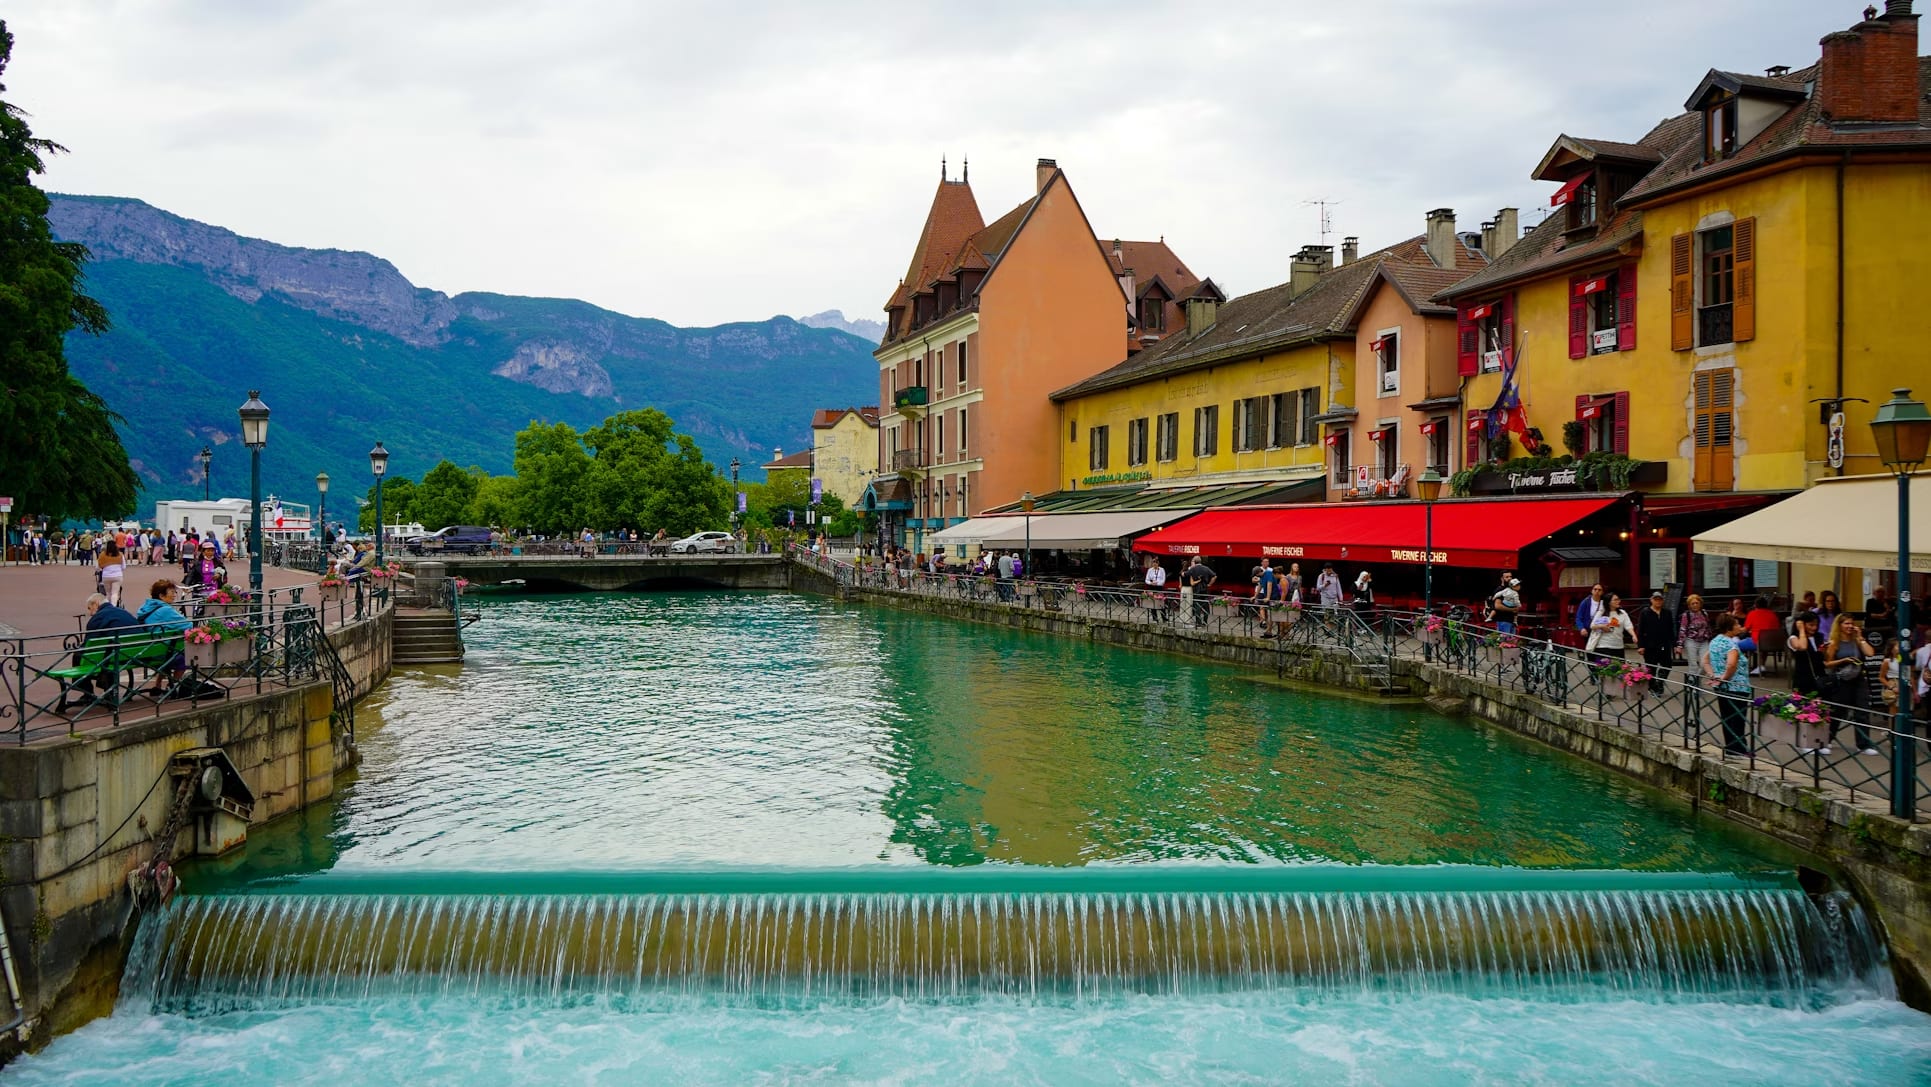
column 1200, row 314
column 1350, row 249
column 777, row 453
column 1508, row 231
column 1777, row 71
column 1488, row 238
column 1441, row 237
column 1127, row 285
column 1305, row 269
column 1870, row 72
column 1043, row 173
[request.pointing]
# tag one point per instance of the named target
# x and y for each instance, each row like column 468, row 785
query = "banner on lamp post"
column 817, row 490
column 740, row 501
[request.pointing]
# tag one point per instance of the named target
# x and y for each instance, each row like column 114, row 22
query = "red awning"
column 1568, row 191
column 1594, row 408
column 1334, row 439
column 1379, row 343
column 1477, row 421
column 1592, row 285
column 1481, row 311
column 1473, row 532
column 1428, row 428
column 1376, row 435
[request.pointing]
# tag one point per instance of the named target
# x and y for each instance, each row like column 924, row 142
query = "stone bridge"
column 613, row 573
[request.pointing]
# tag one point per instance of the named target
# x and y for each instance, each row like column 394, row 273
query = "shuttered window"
column 1715, row 465
column 1682, row 294
column 1168, row 439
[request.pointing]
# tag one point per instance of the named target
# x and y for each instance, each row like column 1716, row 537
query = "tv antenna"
column 1327, row 216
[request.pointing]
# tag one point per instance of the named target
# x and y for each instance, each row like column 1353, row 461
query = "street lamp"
column 254, row 435
column 1429, row 488
column 1902, row 428
column 206, row 457
column 378, row 464
column 1026, row 503
column 322, row 518
column 737, row 496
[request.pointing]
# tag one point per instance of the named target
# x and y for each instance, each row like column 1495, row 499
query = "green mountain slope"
column 347, row 352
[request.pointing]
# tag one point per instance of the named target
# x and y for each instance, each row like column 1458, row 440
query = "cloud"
column 714, row 162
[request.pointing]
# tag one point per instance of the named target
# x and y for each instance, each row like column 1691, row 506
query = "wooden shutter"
column 1474, row 456
column 1622, row 423
column 1467, row 349
column 1682, row 294
column 1714, row 467
column 1578, row 323
column 1508, row 332
column 1743, row 317
column 1626, row 308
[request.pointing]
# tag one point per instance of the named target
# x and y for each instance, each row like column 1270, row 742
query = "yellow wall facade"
column 1328, row 367
column 1791, row 361
column 845, row 457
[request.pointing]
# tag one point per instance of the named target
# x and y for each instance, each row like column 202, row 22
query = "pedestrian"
column 1765, row 628
column 111, row 565
column 1195, row 582
column 1290, row 593
column 1327, row 585
column 1724, row 665
column 1505, row 605
column 1828, row 609
column 1364, row 597
column 1264, row 584
column 1611, row 630
column 1845, row 681
column 1807, row 673
column 1693, row 633
column 1590, row 609
column 1656, row 638
column 1880, row 612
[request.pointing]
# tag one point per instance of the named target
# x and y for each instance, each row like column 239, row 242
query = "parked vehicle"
column 721, row 543
column 455, row 539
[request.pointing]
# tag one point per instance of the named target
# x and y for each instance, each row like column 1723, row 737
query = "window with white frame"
column 962, row 433
column 1206, row 430
column 1387, row 451
column 1488, row 337
column 1249, row 417
column 1387, row 352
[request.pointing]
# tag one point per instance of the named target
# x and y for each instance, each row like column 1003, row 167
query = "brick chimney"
column 1042, row 173
column 1508, row 231
column 1306, row 268
column 1350, row 249
column 1200, row 314
column 1488, row 237
column 1870, row 72
column 1441, row 237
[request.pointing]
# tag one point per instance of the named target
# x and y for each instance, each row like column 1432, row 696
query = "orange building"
column 988, row 321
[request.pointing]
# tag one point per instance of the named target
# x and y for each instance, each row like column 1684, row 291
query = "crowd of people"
column 132, row 547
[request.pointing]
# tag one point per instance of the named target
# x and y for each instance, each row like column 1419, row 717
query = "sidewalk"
column 52, row 599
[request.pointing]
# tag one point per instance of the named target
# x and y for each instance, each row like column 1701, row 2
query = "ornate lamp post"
column 254, row 435
column 737, row 496
column 1429, row 488
column 322, row 518
column 1902, row 428
column 378, row 465
column 1026, row 503
column 206, row 457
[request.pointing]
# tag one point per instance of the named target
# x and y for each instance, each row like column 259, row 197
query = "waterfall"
column 1759, row 944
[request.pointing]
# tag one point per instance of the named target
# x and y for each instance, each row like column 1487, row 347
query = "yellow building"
column 1268, row 387
column 844, row 451
column 1728, row 297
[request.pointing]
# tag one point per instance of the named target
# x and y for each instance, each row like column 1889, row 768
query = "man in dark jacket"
column 105, row 622
column 1656, row 637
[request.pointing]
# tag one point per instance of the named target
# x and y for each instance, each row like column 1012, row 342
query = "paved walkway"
column 52, row 599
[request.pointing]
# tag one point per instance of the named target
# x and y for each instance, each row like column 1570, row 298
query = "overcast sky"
column 709, row 162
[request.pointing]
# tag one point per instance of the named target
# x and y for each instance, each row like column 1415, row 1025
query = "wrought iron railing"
column 1848, row 746
column 1715, row 324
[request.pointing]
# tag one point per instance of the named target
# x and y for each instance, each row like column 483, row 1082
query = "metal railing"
column 1763, row 728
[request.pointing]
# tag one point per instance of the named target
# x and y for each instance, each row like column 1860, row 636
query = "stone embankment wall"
column 1884, row 860
column 79, row 813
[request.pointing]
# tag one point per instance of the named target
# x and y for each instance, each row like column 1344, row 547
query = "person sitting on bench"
column 105, row 621
column 159, row 613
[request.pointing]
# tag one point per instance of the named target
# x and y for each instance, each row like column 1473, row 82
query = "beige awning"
column 1850, row 521
column 1079, row 531
column 968, row 532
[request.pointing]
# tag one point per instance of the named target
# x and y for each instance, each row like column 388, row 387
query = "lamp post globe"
column 378, row 466
column 254, row 435
column 1026, row 501
column 207, row 458
column 1902, row 430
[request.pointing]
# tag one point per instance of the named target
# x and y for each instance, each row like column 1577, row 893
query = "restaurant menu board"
column 1662, row 566
column 1716, row 571
column 1764, row 573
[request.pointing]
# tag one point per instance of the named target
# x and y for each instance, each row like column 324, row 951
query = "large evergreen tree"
column 60, row 456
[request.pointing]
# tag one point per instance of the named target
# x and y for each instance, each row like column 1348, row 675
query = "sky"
column 724, row 161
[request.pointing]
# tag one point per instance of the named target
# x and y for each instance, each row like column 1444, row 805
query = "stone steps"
column 426, row 637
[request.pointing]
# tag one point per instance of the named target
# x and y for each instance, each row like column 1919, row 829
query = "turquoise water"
column 727, row 838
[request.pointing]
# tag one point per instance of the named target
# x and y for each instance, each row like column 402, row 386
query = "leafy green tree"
column 495, row 501
column 646, row 477
column 553, row 473
column 61, row 457
column 398, row 503
column 443, row 497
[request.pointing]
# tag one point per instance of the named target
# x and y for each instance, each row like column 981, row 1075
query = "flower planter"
column 1801, row 735
column 331, row 593
column 1511, row 656
column 209, row 656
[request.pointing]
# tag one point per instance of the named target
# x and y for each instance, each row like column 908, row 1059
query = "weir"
column 781, row 939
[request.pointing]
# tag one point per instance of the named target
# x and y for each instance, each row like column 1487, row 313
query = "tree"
column 553, row 471
column 61, row 456
column 495, row 501
column 398, row 503
column 443, row 497
column 646, row 477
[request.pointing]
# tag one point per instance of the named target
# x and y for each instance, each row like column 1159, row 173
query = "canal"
column 711, row 837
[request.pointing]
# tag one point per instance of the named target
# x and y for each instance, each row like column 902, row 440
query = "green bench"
column 109, row 659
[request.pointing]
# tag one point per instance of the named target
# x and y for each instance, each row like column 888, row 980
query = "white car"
column 716, row 542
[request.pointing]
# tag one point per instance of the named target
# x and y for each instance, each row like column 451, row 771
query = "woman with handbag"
column 1693, row 633
column 1844, row 682
column 1611, row 631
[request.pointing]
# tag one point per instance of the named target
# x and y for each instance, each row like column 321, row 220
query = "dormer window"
column 1578, row 199
column 1720, row 127
column 1153, row 314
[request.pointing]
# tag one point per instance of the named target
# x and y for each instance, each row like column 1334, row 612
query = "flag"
column 275, row 511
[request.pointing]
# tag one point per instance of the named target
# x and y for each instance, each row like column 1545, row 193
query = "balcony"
column 906, row 459
column 910, row 400
column 1713, row 325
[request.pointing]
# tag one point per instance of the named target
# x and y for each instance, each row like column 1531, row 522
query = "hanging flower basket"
column 1636, row 682
column 332, row 589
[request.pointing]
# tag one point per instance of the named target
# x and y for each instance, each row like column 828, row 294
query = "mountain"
column 873, row 331
column 346, row 352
